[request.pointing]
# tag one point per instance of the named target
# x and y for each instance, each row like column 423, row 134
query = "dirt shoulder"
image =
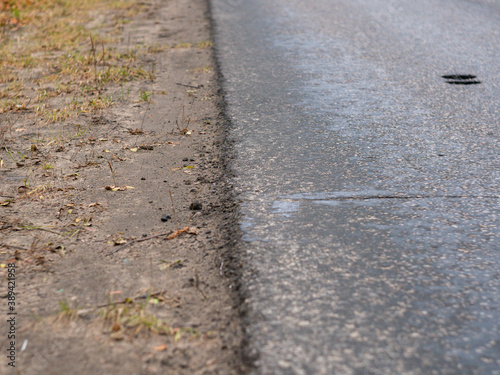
column 114, row 202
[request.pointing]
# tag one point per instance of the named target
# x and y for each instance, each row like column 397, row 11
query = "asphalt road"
column 369, row 183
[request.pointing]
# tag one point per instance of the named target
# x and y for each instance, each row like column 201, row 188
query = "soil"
column 134, row 278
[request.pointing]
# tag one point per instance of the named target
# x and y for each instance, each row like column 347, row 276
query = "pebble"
column 196, row 206
column 165, row 217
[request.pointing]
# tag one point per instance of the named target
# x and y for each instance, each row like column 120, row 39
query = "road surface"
column 369, row 183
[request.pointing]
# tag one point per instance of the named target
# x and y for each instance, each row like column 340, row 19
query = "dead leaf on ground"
column 22, row 189
column 120, row 241
column 160, row 348
column 135, row 132
column 117, row 188
column 116, row 157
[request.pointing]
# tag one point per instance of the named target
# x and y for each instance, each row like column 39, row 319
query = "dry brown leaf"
column 135, row 132
column 120, row 241
column 117, row 188
column 160, row 348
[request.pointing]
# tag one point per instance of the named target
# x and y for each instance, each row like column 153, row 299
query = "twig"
column 145, row 113
column 127, row 300
column 190, row 86
column 112, row 172
column 177, row 233
column 172, row 201
column 93, row 51
column 12, row 246
column 136, row 241
column 50, row 231
column 170, row 236
column 197, row 282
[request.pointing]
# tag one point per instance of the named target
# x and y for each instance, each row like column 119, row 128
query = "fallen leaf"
column 135, row 132
column 118, row 336
column 133, row 149
column 5, row 203
column 22, row 189
column 117, row 157
column 117, row 188
column 193, row 230
column 160, row 348
column 120, row 241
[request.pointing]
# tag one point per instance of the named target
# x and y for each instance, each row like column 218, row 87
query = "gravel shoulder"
column 119, row 218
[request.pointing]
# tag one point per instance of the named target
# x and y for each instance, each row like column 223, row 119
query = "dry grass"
column 53, row 62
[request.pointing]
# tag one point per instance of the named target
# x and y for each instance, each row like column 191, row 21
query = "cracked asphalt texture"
column 370, row 185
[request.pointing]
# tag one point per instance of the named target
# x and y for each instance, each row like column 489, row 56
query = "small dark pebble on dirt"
column 185, row 159
column 165, row 217
column 143, row 178
column 196, row 206
column 144, row 235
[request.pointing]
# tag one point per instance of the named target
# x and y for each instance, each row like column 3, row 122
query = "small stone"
column 165, row 217
column 196, row 206
column 185, row 159
column 143, row 178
